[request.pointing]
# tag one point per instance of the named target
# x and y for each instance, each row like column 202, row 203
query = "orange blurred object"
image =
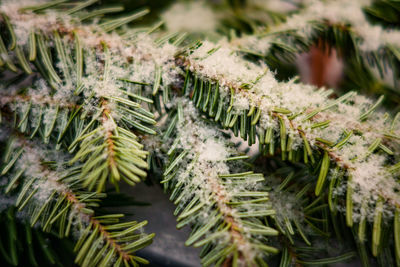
column 321, row 66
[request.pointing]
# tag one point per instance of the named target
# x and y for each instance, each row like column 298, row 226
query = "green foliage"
column 81, row 123
column 51, row 195
column 230, row 205
column 206, row 96
column 65, row 139
column 341, row 36
column 88, row 102
column 22, row 245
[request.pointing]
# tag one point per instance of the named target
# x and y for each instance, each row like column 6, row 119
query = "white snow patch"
column 196, row 16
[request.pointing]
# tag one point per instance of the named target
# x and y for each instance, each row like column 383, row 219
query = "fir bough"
column 88, row 101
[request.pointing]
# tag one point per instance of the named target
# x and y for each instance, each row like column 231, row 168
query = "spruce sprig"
column 51, row 194
column 224, row 203
column 101, row 111
column 219, row 95
column 87, row 89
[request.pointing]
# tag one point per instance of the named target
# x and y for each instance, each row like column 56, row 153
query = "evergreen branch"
column 347, row 140
column 292, row 211
column 109, row 151
column 223, row 204
column 357, row 40
column 190, row 180
column 97, row 81
column 314, row 16
column 52, row 197
column 295, row 206
column 39, row 115
column 7, row 99
column 347, row 130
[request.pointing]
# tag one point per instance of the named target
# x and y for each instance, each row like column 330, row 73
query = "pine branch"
column 113, row 74
column 98, row 80
column 302, row 219
column 224, row 204
column 357, row 40
column 196, row 190
column 36, row 115
column 316, row 14
column 52, row 196
column 347, row 132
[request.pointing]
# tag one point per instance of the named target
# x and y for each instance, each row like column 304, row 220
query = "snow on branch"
column 350, row 130
column 51, row 197
column 104, row 76
column 348, row 14
column 215, row 194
